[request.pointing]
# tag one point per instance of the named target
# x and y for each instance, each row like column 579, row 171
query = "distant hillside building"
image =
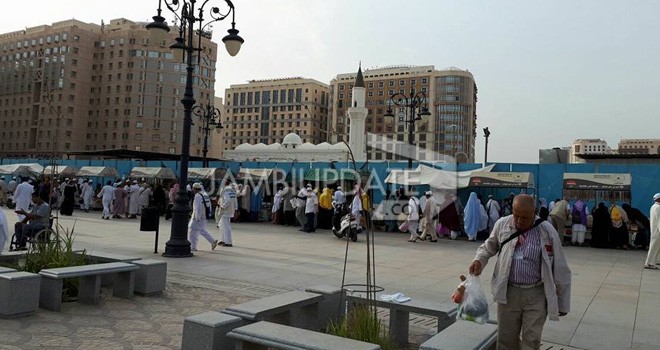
column 588, row 147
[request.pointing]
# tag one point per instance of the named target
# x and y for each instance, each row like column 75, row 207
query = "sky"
column 547, row 72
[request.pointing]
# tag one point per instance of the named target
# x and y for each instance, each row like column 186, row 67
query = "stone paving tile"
column 148, row 323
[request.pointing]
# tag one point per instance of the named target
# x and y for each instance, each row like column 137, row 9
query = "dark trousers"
column 309, row 226
column 290, row 218
column 26, row 230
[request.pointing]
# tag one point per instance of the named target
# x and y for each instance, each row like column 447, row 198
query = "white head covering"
column 197, row 185
column 656, row 196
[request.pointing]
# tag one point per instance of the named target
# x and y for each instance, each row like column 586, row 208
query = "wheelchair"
column 41, row 236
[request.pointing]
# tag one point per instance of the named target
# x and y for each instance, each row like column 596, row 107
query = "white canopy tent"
column 60, row 170
column 153, row 173
column 97, row 171
column 32, row 169
column 206, row 173
column 435, row 178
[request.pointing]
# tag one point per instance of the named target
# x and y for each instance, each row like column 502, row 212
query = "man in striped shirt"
column 531, row 280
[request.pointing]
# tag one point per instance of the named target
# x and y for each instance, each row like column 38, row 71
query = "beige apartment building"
column 451, row 95
column 73, row 86
column 264, row 111
column 639, row 146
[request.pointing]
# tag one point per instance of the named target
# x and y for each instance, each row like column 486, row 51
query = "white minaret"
column 357, row 114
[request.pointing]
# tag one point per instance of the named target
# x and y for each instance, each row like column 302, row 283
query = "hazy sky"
column 548, row 72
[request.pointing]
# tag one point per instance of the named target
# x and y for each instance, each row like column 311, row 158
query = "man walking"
column 107, row 194
column 428, row 213
column 87, row 195
column 531, row 281
column 227, row 206
column 654, row 248
column 197, row 224
column 559, row 216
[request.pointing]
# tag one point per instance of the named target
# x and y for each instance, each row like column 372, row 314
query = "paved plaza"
column 614, row 300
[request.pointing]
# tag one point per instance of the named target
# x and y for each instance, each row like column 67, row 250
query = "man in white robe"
column 227, row 206
column 87, row 195
column 107, row 194
column 133, row 202
column 145, row 195
column 493, row 210
column 11, row 186
column 197, row 223
column 23, row 197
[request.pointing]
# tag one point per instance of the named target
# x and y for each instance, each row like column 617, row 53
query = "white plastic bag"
column 474, row 307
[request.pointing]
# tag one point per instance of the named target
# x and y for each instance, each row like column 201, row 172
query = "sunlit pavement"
column 614, row 300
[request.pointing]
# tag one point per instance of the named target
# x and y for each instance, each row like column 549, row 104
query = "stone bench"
column 208, row 331
column 400, row 314
column 89, row 288
column 97, row 257
column 151, row 276
column 6, row 269
column 266, row 335
column 19, row 293
column 464, row 335
column 296, row 308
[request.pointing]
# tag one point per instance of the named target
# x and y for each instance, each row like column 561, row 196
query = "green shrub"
column 53, row 253
column 362, row 324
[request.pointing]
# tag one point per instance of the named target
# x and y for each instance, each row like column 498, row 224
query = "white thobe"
column 23, row 198
column 133, row 202
column 227, row 206
column 107, row 194
column 144, row 197
column 653, row 255
column 493, row 209
column 87, row 194
column 197, row 223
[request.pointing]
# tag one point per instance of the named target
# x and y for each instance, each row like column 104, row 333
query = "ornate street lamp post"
column 188, row 15
column 210, row 117
column 417, row 107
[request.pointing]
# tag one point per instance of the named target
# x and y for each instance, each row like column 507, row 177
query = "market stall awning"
column 502, row 179
column 330, row 175
column 26, row 170
column 207, row 173
column 435, row 178
column 60, row 170
column 98, row 171
column 153, row 173
column 598, row 182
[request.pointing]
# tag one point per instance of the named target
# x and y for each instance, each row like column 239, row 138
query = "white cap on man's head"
column 338, row 187
column 656, row 196
column 134, row 181
column 429, row 193
column 197, row 185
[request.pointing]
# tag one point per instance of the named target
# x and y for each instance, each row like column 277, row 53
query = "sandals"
column 650, row 267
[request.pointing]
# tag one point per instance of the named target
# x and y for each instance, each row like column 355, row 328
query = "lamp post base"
column 178, row 246
column 180, row 249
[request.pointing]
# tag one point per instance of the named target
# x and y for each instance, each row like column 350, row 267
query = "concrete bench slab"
column 265, row 335
column 464, row 335
column 151, row 276
column 6, row 269
column 296, row 308
column 330, row 310
column 400, row 314
column 105, row 257
column 19, row 293
column 89, row 289
column 208, row 331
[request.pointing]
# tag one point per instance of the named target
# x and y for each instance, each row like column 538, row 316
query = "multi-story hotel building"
column 451, row 97
column 264, row 111
column 74, row 86
column 639, row 146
